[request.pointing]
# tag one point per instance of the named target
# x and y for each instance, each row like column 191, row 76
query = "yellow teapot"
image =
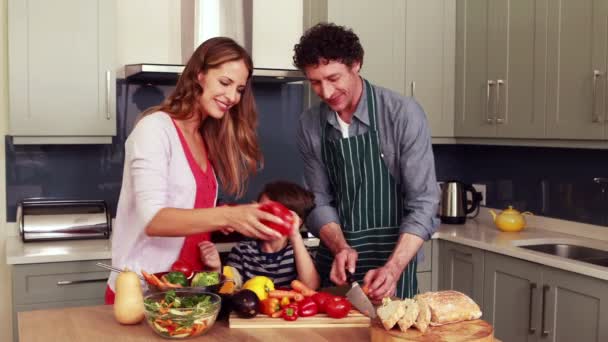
column 510, row 220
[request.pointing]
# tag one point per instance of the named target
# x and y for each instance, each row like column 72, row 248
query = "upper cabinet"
column 576, row 78
column 500, row 68
column 61, row 71
column 409, row 48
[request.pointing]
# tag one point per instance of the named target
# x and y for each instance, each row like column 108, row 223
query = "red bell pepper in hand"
column 290, row 313
column 279, row 210
column 307, row 307
column 321, row 298
column 338, row 307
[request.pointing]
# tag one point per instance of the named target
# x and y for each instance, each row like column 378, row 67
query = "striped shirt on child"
column 248, row 258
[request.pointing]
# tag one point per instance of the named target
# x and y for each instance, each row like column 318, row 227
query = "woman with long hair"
column 204, row 132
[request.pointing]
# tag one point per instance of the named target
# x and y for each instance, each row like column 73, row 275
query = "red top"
column 206, row 193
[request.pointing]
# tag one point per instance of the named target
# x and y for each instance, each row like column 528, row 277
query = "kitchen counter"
column 96, row 323
column 18, row 252
column 481, row 233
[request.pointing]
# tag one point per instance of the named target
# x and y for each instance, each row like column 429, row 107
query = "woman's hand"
column 245, row 219
column 210, row 257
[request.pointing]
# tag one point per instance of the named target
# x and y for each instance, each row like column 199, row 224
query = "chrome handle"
column 542, row 322
column 499, row 120
column 413, row 88
column 108, row 90
column 83, row 281
column 531, row 330
column 464, row 254
column 488, row 87
column 594, row 116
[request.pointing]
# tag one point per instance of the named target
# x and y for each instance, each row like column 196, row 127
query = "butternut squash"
column 129, row 299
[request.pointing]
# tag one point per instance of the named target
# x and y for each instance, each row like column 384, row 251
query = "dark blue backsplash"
column 554, row 182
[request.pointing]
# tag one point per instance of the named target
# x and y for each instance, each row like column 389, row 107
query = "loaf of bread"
column 424, row 314
column 450, row 307
column 390, row 312
column 410, row 315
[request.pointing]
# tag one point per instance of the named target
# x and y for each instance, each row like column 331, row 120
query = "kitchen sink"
column 580, row 253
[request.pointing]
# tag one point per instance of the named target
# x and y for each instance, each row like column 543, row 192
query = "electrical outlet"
column 480, row 188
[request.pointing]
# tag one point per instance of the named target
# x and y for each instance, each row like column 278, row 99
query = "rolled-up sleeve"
column 148, row 155
column 418, row 178
column 315, row 176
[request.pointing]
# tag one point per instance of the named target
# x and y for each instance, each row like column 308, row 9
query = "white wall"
column 6, row 328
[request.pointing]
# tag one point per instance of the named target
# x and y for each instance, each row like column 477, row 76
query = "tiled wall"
column 554, row 182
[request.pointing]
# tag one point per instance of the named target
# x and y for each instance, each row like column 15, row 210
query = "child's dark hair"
column 291, row 195
column 328, row 42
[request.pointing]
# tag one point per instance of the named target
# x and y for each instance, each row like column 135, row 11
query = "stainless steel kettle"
column 453, row 208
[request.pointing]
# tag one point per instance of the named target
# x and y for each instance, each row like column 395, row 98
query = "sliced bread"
column 411, row 313
column 424, row 314
column 390, row 312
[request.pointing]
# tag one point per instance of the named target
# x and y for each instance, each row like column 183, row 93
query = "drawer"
column 59, row 282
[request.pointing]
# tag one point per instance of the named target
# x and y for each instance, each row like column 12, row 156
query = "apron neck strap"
column 371, row 104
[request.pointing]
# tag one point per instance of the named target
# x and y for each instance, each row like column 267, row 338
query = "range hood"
column 169, row 74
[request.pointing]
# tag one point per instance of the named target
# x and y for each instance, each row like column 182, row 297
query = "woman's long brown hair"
column 231, row 141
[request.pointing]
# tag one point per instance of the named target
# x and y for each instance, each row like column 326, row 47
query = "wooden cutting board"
column 467, row 331
column 354, row 319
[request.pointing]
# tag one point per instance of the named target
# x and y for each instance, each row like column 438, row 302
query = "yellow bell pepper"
column 260, row 285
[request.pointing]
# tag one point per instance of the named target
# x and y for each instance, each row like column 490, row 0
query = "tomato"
column 184, row 267
column 321, row 298
column 338, row 307
column 279, row 210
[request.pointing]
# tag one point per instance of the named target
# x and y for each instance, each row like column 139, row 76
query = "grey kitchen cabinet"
column 57, row 284
column 576, row 78
column 429, row 60
column 61, row 77
column 525, row 301
column 511, row 297
column 462, row 269
column 500, row 68
column 409, row 48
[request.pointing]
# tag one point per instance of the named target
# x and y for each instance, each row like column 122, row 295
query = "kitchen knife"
column 358, row 298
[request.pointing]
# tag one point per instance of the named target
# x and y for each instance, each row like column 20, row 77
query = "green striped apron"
column 368, row 201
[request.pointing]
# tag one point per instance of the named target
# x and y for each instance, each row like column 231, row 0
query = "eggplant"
column 245, row 303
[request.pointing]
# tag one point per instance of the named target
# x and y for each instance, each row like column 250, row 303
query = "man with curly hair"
column 369, row 161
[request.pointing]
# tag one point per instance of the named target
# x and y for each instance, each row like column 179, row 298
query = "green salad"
column 177, row 316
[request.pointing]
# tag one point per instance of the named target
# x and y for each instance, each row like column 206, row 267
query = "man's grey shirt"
column 406, row 148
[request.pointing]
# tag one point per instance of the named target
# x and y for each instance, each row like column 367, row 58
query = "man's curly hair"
column 330, row 42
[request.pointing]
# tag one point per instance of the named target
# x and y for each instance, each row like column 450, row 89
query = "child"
column 282, row 260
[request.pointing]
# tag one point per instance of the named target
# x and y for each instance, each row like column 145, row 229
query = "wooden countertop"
column 96, row 323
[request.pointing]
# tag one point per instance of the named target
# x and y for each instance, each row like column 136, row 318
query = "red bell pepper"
column 307, row 307
column 321, row 298
column 338, row 307
column 279, row 210
column 290, row 313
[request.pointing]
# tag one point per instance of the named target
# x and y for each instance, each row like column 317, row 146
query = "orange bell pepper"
column 269, row 306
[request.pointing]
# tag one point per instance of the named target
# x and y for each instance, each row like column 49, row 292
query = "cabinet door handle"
column 499, row 120
column 413, row 88
column 464, row 254
column 531, row 330
column 489, row 85
column 83, row 281
column 108, row 90
column 594, row 115
column 544, row 332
